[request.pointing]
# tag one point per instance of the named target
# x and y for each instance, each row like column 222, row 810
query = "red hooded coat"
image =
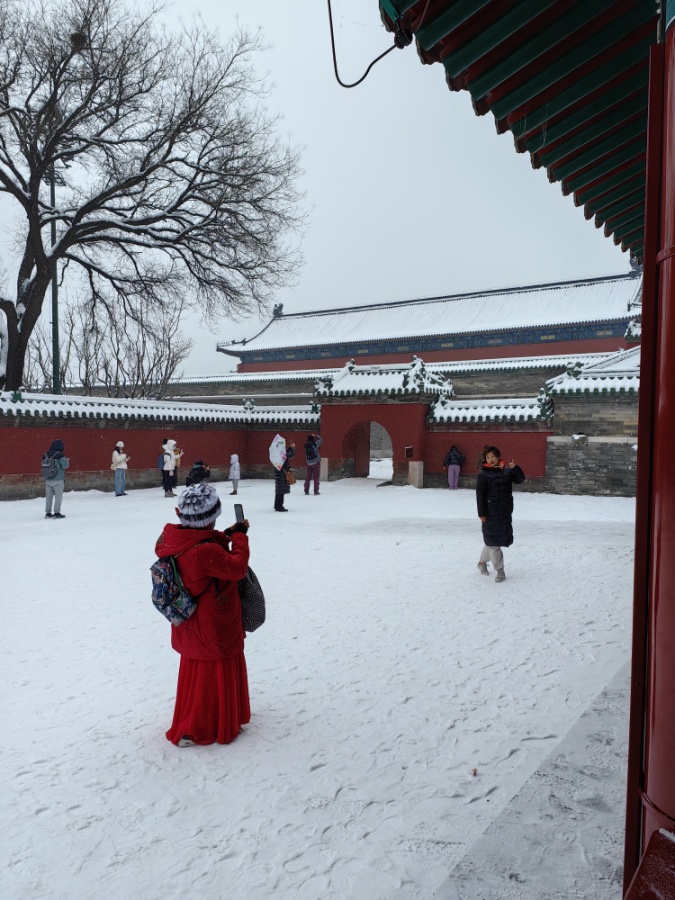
column 215, row 630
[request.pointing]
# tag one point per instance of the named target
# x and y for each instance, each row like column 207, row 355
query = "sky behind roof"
column 409, row 194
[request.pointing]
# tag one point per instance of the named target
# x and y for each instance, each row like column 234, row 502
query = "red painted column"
column 659, row 759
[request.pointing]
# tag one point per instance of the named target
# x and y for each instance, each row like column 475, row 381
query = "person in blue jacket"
column 55, row 484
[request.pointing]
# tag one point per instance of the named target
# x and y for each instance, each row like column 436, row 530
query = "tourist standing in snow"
column 494, row 498
column 313, row 461
column 119, row 464
column 55, row 480
column 212, row 694
column 200, row 471
column 168, row 446
column 281, row 485
column 235, row 473
column 453, row 463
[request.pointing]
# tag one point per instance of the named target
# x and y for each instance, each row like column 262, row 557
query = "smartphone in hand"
column 239, row 512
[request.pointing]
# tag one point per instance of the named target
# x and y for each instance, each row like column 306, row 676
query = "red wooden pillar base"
column 655, row 879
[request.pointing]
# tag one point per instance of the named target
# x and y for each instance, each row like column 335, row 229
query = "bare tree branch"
column 171, row 179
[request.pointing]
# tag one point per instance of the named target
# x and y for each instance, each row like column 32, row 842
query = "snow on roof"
column 164, row 410
column 589, row 300
column 620, row 372
column 353, row 380
column 468, row 365
column 478, row 410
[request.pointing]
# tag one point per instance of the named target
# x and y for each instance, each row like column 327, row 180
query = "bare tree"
column 169, row 178
column 110, row 353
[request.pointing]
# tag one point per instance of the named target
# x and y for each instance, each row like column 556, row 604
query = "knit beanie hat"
column 199, row 506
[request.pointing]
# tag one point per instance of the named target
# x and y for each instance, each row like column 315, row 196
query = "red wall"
column 341, row 428
column 595, row 345
column 528, row 448
column 90, row 449
column 345, row 430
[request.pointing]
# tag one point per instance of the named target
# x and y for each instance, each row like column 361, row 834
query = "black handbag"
column 252, row 601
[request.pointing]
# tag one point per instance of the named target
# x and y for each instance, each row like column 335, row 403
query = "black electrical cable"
column 332, row 41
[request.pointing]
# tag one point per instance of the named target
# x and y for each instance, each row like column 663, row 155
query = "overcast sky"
column 409, row 193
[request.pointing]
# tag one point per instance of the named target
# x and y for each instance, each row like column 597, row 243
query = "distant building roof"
column 506, row 363
column 498, row 312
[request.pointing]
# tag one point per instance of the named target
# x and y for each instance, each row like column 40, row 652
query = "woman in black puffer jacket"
column 494, row 497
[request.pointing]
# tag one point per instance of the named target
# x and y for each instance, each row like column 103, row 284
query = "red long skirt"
column 211, row 700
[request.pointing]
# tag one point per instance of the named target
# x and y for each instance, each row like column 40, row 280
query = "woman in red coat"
column 212, row 696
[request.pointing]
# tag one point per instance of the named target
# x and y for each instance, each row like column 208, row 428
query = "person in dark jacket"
column 281, row 485
column 313, row 460
column 453, row 463
column 199, row 472
column 494, row 498
column 212, row 700
column 55, row 485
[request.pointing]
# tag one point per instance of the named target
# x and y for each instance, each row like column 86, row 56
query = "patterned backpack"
column 169, row 595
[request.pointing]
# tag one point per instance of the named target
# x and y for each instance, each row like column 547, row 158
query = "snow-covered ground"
column 399, row 699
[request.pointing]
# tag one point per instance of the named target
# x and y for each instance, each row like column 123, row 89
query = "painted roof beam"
column 511, row 22
column 598, row 189
column 537, row 46
column 581, row 54
column 449, row 20
column 613, row 161
column 626, row 223
column 595, row 130
column 551, row 133
column 584, row 87
column 601, row 206
column 609, row 145
column 622, row 206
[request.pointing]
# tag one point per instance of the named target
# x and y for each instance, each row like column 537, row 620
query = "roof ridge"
column 461, row 296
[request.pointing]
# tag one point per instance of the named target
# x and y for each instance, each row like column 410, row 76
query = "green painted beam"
column 628, row 239
column 626, row 189
column 441, row 26
column 626, row 154
column 495, row 34
column 621, row 205
column 584, row 196
column 584, row 87
column 578, row 56
column 627, row 221
column 537, row 46
column 551, row 133
column 594, row 131
column 618, row 139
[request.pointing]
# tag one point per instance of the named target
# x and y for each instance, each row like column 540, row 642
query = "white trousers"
column 493, row 555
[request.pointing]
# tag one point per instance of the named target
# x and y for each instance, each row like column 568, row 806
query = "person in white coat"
column 235, row 473
column 119, row 464
column 168, row 447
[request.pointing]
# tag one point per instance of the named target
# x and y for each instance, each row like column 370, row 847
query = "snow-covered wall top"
column 590, row 300
column 167, row 411
column 501, row 409
column 620, row 372
column 353, row 381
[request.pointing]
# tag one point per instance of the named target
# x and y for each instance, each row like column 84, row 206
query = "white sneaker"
column 186, row 742
column 482, row 568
